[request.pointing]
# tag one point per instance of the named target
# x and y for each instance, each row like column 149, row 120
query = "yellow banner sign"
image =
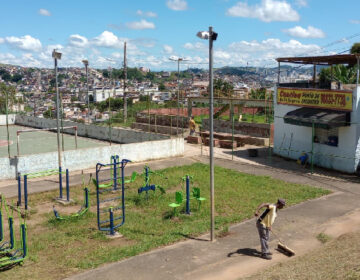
column 316, row 98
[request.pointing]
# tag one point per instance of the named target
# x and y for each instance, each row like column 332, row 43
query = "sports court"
column 41, row 141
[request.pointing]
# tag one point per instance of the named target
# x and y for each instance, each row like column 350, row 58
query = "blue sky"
column 252, row 32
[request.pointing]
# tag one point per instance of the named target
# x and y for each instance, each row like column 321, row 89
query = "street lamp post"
column 211, row 36
column 57, row 55
column 86, row 63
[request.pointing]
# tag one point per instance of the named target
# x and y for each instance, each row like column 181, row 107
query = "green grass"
column 323, row 238
column 61, row 248
column 256, row 118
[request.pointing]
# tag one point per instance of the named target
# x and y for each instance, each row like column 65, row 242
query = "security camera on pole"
column 211, row 36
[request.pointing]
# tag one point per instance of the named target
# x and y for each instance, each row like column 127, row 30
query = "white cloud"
column 2, row 40
column 25, row 59
column 26, row 42
column 219, row 54
column 44, row 12
column 272, row 48
column 310, row 32
column 196, row 46
column 168, row 49
column 142, row 24
column 107, row 39
column 355, row 21
column 177, row 5
column 267, row 10
column 78, row 41
column 301, row 3
column 146, row 14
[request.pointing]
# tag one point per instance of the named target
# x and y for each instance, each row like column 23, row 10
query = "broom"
column 283, row 248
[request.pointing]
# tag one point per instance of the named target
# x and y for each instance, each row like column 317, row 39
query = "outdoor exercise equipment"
column 109, row 197
column 6, row 246
column 179, row 196
column 84, row 207
column 117, row 160
column 1, row 220
column 12, row 256
column 148, row 187
column 39, row 174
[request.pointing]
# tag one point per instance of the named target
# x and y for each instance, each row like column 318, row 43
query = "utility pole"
column 56, row 55
column 125, row 78
column 211, row 36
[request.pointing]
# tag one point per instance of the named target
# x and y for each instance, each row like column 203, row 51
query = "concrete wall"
column 251, row 129
column 118, row 135
column 11, row 119
column 87, row 158
column 164, row 120
column 344, row 157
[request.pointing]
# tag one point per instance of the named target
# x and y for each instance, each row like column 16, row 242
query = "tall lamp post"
column 178, row 59
column 211, row 36
column 86, row 64
column 57, row 55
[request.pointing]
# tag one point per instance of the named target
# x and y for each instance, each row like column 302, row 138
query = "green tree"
column 341, row 73
column 6, row 92
column 355, row 49
column 162, row 87
column 258, row 93
column 223, row 88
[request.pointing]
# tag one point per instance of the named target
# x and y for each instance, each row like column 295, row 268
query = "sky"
column 250, row 32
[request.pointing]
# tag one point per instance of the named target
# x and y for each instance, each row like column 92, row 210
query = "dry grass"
column 338, row 259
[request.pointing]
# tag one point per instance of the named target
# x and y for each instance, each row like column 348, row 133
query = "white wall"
column 11, row 119
column 88, row 158
column 342, row 157
column 119, row 135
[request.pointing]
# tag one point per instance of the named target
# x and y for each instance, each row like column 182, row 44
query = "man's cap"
column 281, row 201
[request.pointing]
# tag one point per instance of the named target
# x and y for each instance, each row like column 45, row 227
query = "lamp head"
column 86, row 62
column 56, row 55
column 205, row 35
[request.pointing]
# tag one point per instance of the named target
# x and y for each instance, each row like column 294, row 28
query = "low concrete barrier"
column 87, row 158
column 11, row 119
column 118, row 135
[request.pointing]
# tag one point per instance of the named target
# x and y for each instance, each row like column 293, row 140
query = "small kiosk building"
column 317, row 122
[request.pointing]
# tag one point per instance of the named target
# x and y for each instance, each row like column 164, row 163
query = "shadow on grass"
column 8, row 267
column 247, row 252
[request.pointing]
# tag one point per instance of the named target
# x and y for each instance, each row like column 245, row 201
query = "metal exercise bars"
column 109, row 196
column 10, row 251
column 43, row 174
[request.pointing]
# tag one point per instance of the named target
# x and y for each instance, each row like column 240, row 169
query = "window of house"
column 327, row 136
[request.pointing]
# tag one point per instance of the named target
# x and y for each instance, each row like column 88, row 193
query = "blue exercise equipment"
column 109, row 196
column 9, row 255
column 150, row 187
column 45, row 173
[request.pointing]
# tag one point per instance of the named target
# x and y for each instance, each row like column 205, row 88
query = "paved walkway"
column 236, row 255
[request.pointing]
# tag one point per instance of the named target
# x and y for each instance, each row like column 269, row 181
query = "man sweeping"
column 264, row 223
